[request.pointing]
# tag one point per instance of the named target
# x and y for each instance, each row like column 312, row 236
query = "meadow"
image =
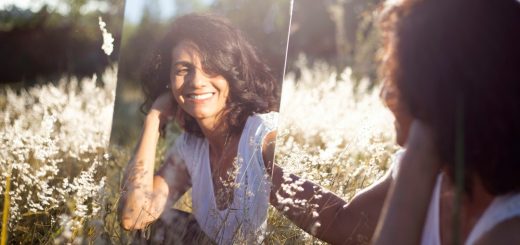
column 54, row 141
column 334, row 131
column 64, row 179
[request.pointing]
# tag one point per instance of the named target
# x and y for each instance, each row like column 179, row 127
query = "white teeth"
column 200, row 96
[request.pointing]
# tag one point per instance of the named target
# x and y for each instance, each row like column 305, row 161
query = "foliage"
column 46, row 45
column 55, row 139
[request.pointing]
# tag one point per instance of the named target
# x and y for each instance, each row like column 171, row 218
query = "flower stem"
column 5, row 215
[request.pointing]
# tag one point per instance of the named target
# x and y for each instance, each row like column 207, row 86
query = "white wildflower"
column 108, row 39
column 315, row 227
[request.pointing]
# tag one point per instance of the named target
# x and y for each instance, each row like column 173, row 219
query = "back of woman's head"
column 456, row 65
column 223, row 50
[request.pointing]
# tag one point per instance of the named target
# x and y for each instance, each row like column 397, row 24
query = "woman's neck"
column 479, row 198
column 472, row 207
column 217, row 134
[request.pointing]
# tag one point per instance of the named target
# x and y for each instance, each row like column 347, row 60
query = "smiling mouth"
column 202, row 96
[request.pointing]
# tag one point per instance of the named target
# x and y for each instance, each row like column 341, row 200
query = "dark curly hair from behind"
column 223, row 50
column 458, row 61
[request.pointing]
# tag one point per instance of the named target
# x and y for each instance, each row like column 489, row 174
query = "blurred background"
column 340, row 33
column 44, row 40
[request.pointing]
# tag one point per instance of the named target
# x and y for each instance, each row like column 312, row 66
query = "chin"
column 202, row 115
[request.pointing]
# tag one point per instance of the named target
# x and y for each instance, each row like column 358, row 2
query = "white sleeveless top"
column 501, row 209
column 244, row 220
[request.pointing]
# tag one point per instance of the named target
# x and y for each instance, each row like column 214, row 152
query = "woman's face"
column 403, row 119
column 201, row 95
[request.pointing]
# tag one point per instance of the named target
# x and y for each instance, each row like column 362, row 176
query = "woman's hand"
column 406, row 207
column 421, row 142
column 163, row 108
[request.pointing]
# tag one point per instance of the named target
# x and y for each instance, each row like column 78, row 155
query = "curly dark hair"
column 223, row 50
column 457, row 62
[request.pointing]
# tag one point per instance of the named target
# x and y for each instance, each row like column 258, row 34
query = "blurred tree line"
column 46, row 45
column 344, row 33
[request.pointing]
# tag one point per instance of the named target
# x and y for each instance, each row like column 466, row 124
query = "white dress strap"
column 431, row 232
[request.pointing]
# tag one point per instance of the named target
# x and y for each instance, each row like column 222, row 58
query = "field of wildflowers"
column 333, row 131
column 54, row 141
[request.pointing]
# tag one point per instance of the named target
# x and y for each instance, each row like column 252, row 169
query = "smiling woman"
column 208, row 78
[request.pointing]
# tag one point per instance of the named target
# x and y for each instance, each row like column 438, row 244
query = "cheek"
column 223, row 87
column 175, row 93
column 176, row 86
column 226, row 93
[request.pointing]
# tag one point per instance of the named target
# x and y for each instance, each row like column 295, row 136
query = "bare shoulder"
column 507, row 232
column 268, row 148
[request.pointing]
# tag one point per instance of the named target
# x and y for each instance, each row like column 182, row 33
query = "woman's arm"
column 331, row 219
column 145, row 195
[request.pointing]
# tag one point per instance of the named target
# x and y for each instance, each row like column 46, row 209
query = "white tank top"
column 501, row 209
column 244, row 220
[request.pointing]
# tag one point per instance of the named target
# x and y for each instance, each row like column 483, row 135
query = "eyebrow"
column 181, row 62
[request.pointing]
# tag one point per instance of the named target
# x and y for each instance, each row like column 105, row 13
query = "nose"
column 198, row 78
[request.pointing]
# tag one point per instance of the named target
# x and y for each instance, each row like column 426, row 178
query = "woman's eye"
column 183, row 71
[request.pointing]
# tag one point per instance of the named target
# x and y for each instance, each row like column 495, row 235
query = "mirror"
column 220, row 102
column 335, row 130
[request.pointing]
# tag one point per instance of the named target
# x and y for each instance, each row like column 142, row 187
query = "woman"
column 455, row 65
column 208, row 78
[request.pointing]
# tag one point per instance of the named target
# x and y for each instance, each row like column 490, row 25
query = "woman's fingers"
column 163, row 108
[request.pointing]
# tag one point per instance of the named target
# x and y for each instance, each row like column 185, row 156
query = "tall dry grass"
column 334, row 131
column 54, row 141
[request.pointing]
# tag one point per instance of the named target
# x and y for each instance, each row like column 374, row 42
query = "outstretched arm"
column 325, row 215
column 145, row 195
